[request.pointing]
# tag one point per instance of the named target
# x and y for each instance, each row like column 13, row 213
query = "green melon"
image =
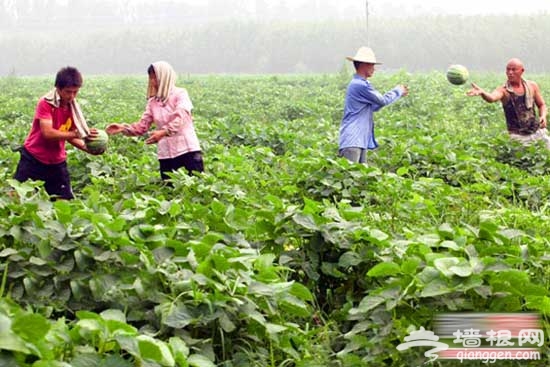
column 457, row 74
column 98, row 144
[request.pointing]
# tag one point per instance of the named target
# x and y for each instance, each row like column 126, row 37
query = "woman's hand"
column 113, row 129
column 155, row 136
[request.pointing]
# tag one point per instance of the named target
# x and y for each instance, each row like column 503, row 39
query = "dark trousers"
column 57, row 181
column 192, row 162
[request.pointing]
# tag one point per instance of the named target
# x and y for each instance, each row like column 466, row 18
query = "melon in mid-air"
column 99, row 144
column 457, row 74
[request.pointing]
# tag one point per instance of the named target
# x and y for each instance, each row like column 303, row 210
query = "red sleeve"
column 43, row 110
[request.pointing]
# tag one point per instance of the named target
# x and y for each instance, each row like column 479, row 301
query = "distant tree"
column 9, row 12
column 217, row 9
column 127, row 10
column 261, row 9
column 281, row 11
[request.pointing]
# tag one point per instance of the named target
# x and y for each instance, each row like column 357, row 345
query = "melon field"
column 280, row 253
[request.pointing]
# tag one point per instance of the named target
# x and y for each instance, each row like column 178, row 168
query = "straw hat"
column 364, row 54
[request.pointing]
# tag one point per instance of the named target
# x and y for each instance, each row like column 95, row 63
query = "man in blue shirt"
column 362, row 100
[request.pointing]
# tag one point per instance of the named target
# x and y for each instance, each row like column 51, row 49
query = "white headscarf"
column 166, row 78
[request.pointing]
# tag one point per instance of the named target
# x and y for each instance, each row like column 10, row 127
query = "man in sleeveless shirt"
column 519, row 98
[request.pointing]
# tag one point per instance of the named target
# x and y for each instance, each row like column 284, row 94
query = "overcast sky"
column 462, row 7
column 466, row 7
column 122, row 29
column 267, row 10
column 396, row 7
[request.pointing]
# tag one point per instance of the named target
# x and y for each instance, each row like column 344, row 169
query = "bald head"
column 514, row 71
column 515, row 62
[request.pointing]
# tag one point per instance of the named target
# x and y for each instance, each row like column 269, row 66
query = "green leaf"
column 446, row 231
column 50, row 364
column 155, row 350
column 225, row 322
column 66, row 265
column 265, row 268
column 511, row 303
column 431, row 240
column 487, row 230
column 115, row 360
column 516, row 282
column 510, row 233
column 56, row 232
column 436, row 287
column 128, row 343
column 294, row 306
column 8, row 252
column 402, row 171
column 410, row 265
column 384, row 269
column 8, row 339
column 198, row 360
column 305, row 221
column 31, row 327
column 115, row 327
column 261, row 289
column 541, row 303
column 462, row 269
column 37, row 261
column 332, row 270
column 8, row 360
column 237, row 218
column 349, row 259
column 90, row 325
column 161, row 254
column 368, row 303
column 378, row 235
column 86, row 360
column 450, row 266
column 274, row 328
column 254, row 315
column 179, row 317
column 180, row 350
column 82, row 315
column 450, row 245
column 301, row 291
column 513, row 276
column 113, row 314
column 531, row 289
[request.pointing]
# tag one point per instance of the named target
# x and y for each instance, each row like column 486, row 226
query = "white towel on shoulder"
column 53, row 98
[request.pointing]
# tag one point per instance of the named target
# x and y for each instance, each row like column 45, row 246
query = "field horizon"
column 280, row 253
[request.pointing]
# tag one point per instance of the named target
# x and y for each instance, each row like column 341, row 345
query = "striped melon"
column 457, row 74
column 98, row 145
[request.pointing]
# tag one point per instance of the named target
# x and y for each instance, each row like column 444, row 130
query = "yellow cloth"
column 53, row 98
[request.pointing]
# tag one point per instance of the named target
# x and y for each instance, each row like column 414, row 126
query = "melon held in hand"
column 98, row 145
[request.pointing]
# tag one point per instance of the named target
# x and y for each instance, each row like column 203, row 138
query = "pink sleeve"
column 180, row 116
column 43, row 110
column 143, row 125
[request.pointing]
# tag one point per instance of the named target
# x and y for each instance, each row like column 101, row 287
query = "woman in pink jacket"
column 169, row 108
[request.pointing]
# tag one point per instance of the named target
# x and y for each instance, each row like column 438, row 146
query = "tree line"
column 482, row 43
